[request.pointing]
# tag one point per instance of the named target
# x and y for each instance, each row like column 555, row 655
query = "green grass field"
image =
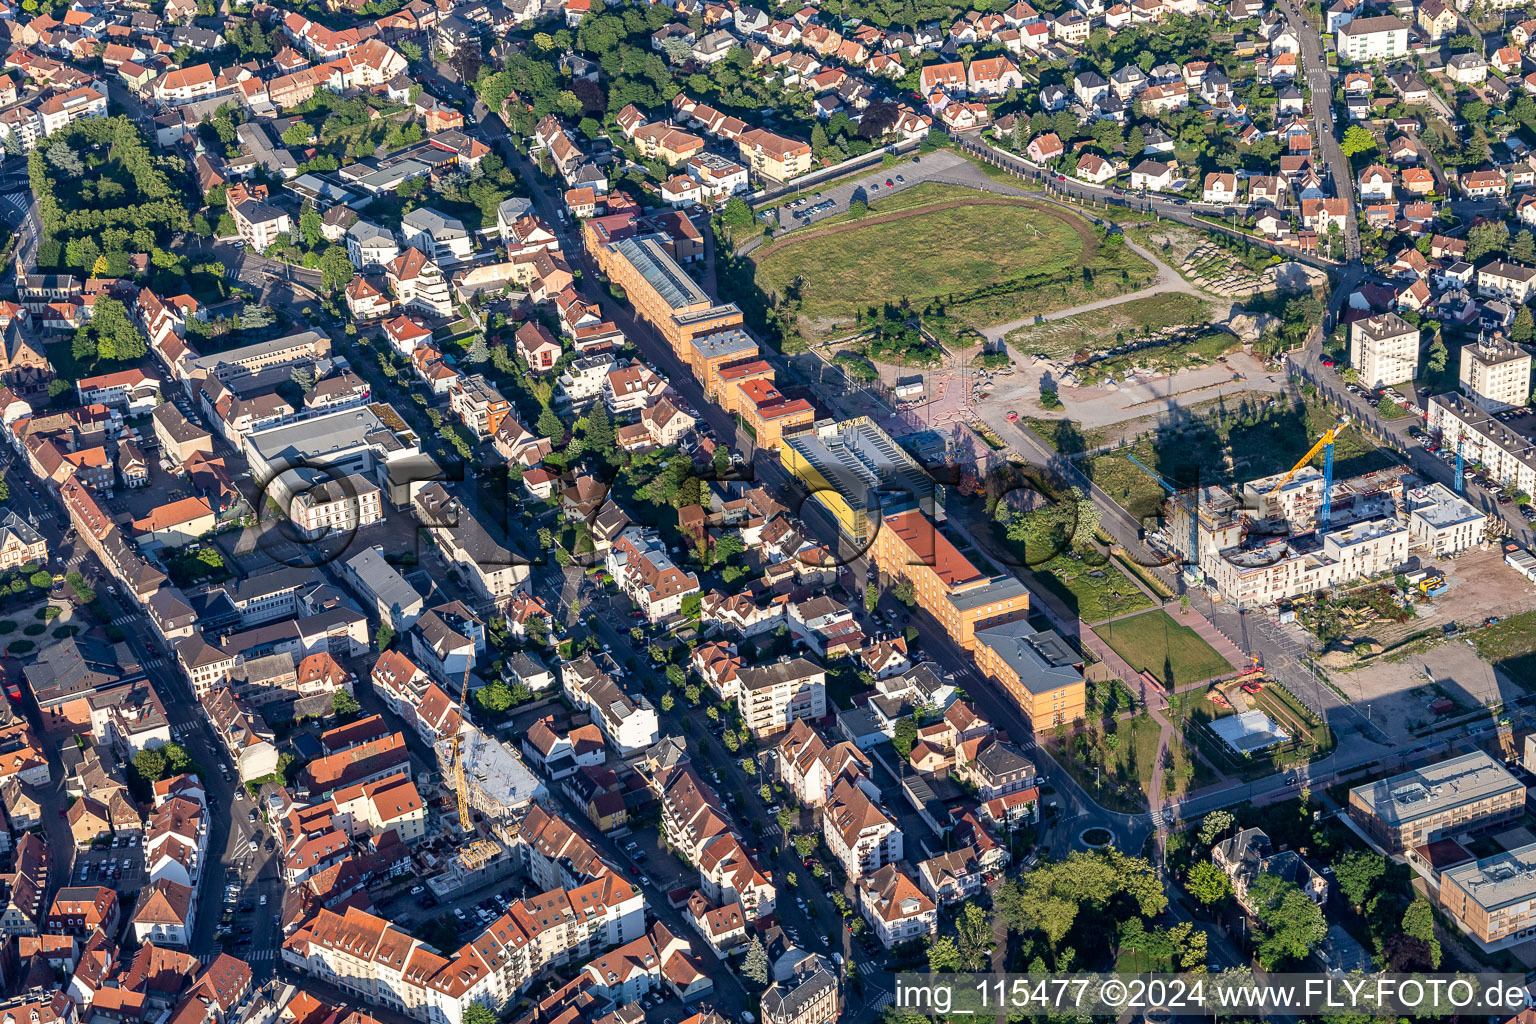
column 985, row 261
column 1154, row 642
column 1125, row 322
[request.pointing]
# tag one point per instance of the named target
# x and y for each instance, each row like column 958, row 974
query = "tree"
column 872, row 599
column 478, row 351
column 1358, row 874
column 150, row 764
column 1483, row 239
column 116, row 336
column 1438, row 355
column 906, row 736
column 335, row 269
column 1213, row 825
column 409, row 50
column 973, row 932
column 384, row 635
column 1387, row 407
column 1357, row 140
column 311, row 227
column 1135, row 142
column 599, row 431
column 1046, row 532
column 1419, row 923
column 1523, row 330
column 494, row 697
column 1351, row 375
column 298, row 134
column 754, row 966
column 549, row 425
column 475, row 1013
column 944, row 956
column 302, row 376
column 1208, row 883
column 1293, row 924
column 65, row 159
column 344, row 705
column 904, row 592
column 1523, row 248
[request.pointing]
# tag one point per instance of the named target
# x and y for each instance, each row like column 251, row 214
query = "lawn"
column 1125, row 322
column 1173, row 654
column 1168, row 356
column 984, row 260
column 1125, row 753
column 1095, row 592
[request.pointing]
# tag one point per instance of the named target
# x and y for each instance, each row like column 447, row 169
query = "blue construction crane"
column 1325, row 444
column 1460, row 468
column 1187, row 503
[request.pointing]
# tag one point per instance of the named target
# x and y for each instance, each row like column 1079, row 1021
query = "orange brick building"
column 1039, row 669
column 963, row 599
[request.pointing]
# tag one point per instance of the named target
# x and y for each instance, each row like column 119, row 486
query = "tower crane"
column 477, row 852
column 1461, row 475
column 1188, row 501
column 1325, row 445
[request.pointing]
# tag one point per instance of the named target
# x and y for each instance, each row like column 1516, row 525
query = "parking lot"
column 120, row 866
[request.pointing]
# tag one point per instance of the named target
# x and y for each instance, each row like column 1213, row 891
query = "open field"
column 1153, row 642
column 1128, row 763
column 1113, row 325
column 984, row 259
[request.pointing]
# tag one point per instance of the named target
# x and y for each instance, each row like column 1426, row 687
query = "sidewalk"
column 1192, row 618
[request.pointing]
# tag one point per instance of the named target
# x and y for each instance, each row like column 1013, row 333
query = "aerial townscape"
column 581, row 512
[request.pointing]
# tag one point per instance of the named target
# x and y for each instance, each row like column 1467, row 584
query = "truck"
column 1433, row 586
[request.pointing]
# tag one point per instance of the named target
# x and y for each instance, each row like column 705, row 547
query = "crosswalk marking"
column 880, row 1001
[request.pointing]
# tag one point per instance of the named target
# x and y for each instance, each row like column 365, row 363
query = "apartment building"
column 419, row 283
column 773, row 697
column 947, row 586
column 259, row 224
column 1508, row 455
column 1496, row 373
column 1441, row 521
column 1365, row 40
column 1468, row 794
column 628, row 720
column 1037, row 668
column 808, row 993
column 1384, row 349
column 1501, row 279
column 1493, row 899
column 895, row 907
column 478, row 404
column 337, row 506
column 860, row 834
column 20, row 544
column 661, row 292
column 63, row 109
column 493, row 570
column 639, row 564
column 773, row 156
column 811, row 768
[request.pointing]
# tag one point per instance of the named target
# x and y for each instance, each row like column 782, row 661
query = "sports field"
column 986, row 260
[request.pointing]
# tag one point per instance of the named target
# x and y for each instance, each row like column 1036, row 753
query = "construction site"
column 1284, row 536
column 491, row 788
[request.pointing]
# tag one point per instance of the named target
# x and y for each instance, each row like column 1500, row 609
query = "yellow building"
column 662, row 293
column 908, row 546
column 858, row 474
column 774, row 156
column 1040, row 671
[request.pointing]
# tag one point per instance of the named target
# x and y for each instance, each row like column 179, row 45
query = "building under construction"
column 492, row 788
column 1261, row 543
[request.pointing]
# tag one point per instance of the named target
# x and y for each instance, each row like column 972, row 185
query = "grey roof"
column 1497, row 881
column 363, row 232
column 1042, row 659
column 757, row 677
column 320, row 436
column 1436, row 788
column 438, row 225
column 646, row 254
column 999, row 588
column 784, row 1000
column 383, row 581
column 274, row 581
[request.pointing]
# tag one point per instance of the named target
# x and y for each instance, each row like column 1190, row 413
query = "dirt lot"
column 1399, row 692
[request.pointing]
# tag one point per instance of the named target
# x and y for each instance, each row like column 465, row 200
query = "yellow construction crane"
column 1325, row 445
column 461, row 785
